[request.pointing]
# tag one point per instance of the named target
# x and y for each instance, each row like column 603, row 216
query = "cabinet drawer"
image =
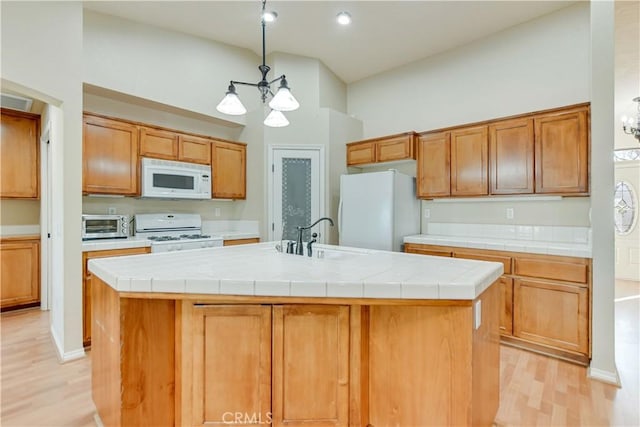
column 426, row 250
column 556, row 268
column 361, row 153
column 505, row 260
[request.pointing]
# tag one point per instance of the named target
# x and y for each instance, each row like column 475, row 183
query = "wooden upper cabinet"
column 159, row 144
column 469, row 161
column 229, row 170
column 310, row 365
column 20, row 160
column 511, row 156
column 109, row 156
column 562, row 152
column 434, row 163
column 194, row 149
column 385, row 149
column 361, row 153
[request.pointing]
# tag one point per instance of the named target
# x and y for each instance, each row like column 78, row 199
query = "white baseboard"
column 64, row 357
column 604, row 376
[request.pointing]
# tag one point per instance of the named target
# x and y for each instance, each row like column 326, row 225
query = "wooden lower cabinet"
column 231, row 371
column 258, row 364
column 20, row 271
column 310, row 365
column 552, row 314
column 86, row 284
column 545, row 300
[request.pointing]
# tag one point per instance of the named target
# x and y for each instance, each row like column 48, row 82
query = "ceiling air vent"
column 14, row 102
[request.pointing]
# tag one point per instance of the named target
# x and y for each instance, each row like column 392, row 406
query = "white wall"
column 42, row 58
column 541, row 64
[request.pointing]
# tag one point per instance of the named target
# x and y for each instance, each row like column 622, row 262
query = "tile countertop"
column 581, row 250
column 341, row 272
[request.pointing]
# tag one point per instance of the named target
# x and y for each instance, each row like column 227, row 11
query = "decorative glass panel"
column 296, row 197
column 625, row 207
column 626, row 154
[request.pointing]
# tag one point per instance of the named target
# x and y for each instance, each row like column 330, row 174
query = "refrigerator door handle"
column 340, row 215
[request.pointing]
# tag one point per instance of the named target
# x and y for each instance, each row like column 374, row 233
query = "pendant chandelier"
column 629, row 122
column 283, row 100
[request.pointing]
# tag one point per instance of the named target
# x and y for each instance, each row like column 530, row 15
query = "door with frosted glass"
column 296, row 192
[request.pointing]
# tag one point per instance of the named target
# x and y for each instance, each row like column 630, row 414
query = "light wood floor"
column 535, row 390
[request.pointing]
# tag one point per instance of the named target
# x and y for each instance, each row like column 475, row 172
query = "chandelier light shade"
column 283, row 100
column 276, row 119
column 631, row 125
column 231, row 104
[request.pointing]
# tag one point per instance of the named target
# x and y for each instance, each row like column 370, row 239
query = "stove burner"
column 163, row 238
column 194, row 236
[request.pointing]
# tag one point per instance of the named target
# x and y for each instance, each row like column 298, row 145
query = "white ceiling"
column 383, row 35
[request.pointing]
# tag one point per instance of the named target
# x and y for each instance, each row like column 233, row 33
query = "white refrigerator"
column 377, row 210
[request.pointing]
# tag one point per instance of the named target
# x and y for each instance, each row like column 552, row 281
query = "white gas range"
column 174, row 232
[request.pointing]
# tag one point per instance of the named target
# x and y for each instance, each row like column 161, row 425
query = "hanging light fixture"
column 628, row 122
column 283, row 100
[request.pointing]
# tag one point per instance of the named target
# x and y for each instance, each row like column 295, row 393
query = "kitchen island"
column 247, row 335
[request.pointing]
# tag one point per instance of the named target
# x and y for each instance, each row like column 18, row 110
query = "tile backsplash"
column 540, row 233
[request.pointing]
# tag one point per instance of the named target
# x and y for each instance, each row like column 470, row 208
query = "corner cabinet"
column 20, row 271
column 281, row 365
column 229, row 170
column 385, row 149
column 20, row 160
column 110, row 157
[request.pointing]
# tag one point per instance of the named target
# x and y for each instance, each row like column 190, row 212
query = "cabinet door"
column 506, row 305
column 361, row 153
column 562, row 153
column 395, row 148
column 109, row 157
column 229, row 169
column 552, row 314
column 511, row 157
column 469, row 161
column 231, row 365
column 20, row 275
column 194, row 149
column 310, row 365
column 235, row 242
column 159, row 144
column 434, row 165
column 20, row 160
column 86, row 284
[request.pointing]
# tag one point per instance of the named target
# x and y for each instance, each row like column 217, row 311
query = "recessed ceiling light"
column 269, row 16
column 343, row 18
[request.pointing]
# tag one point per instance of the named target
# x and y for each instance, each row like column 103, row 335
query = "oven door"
column 175, row 180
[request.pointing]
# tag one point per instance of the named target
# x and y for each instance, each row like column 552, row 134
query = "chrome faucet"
column 299, row 247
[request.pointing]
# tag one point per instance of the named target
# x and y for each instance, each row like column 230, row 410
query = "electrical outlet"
column 509, row 213
column 427, row 213
column 111, row 210
column 216, row 212
column 478, row 314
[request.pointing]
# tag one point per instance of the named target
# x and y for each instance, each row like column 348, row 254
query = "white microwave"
column 175, row 180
